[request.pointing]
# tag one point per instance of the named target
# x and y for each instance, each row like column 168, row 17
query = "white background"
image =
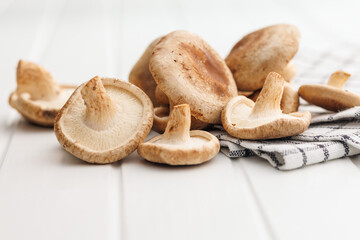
column 45, row 193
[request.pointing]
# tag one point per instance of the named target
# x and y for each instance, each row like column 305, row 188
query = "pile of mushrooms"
column 179, row 86
column 186, row 70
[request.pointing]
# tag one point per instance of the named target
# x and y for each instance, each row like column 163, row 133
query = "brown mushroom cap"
column 38, row 98
column 104, row 120
column 267, row 50
column 178, row 145
column 245, row 119
column 161, row 97
column 190, row 72
column 331, row 96
column 289, row 101
column 140, row 74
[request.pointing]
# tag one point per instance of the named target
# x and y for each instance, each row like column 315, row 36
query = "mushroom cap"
column 38, row 98
column 264, row 119
column 140, row 74
column 124, row 119
column 329, row 97
column 190, row 72
column 161, row 97
column 266, row 50
column 178, row 145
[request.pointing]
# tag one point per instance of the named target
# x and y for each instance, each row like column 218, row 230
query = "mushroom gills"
column 129, row 111
column 241, row 115
column 53, row 103
column 264, row 119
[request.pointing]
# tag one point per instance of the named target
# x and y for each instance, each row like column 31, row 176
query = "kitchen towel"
column 330, row 136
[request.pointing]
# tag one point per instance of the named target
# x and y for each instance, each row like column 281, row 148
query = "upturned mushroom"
column 38, row 98
column 190, row 72
column 140, row 74
column 178, row 145
column 331, row 96
column 289, row 101
column 242, row 118
column 266, row 50
column 104, row 120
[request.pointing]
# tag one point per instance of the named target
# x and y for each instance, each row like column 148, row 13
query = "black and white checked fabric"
column 330, row 135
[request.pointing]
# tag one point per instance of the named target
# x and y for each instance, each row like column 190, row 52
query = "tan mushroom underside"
column 115, row 138
column 267, row 128
column 329, row 97
column 161, row 118
column 264, row 119
column 195, row 152
column 41, row 112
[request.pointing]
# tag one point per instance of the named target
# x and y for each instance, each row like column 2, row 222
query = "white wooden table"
column 45, row 193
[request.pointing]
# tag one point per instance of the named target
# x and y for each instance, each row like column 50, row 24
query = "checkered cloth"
column 330, row 135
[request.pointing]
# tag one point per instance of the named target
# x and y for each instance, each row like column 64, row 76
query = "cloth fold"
column 330, row 136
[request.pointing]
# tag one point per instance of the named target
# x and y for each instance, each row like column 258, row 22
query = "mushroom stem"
column 35, row 80
column 268, row 102
column 178, row 127
column 338, row 79
column 100, row 109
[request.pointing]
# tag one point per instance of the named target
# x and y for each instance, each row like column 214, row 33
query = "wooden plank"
column 19, row 26
column 316, row 202
column 44, row 191
column 199, row 202
column 49, row 194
